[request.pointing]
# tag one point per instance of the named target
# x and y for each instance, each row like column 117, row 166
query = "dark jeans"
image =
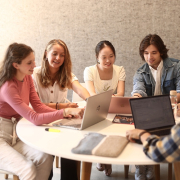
column 68, row 170
column 51, row 174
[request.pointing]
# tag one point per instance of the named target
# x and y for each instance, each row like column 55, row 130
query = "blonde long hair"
column 14, row 54
column 64, row 76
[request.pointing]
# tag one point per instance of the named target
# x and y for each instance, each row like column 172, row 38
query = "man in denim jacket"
column 157, row 76
column 153, row 51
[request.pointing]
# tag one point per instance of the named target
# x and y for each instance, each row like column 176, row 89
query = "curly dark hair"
column 155, row 40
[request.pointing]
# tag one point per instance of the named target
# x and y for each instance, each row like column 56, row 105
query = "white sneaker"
column 140, row 173
column 149, row 172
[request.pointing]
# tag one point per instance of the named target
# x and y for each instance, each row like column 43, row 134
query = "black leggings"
column 68, row 170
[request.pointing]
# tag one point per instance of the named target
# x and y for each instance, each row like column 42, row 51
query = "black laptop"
column 153, row 114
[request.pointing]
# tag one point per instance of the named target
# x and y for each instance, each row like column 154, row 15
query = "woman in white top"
column 104, row 76
column 52, row 80
column 54, row 77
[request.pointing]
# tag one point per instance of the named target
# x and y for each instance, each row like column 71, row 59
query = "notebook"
column 153, row 114
column 120, row 105
column 96, row 110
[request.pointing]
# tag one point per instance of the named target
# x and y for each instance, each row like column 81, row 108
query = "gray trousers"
column 19, row 158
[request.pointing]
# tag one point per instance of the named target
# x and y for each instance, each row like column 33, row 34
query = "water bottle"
column 173, row 98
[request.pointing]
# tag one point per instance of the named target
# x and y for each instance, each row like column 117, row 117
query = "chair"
column 76, row 97
column 15, row 177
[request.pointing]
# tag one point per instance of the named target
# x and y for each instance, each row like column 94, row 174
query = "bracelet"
column 56, row 105
column 140, row 134
column 86, row 99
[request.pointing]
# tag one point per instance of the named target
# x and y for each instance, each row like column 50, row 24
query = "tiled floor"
column 118, row 173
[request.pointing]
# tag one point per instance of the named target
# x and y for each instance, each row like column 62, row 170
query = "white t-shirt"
column 51, row 94
column 91, row 74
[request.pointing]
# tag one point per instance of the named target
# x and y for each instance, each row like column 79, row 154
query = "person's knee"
column 46, row 158
column 43, row 158
column 29, row 171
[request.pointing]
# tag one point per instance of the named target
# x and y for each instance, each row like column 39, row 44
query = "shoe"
column 108, row 169
column 100, row 167
column 140, row 173
column 149, row 172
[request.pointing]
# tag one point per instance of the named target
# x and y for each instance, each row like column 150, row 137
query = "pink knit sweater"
column 15, row 97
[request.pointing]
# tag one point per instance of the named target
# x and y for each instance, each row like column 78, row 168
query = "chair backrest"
column 76, row 97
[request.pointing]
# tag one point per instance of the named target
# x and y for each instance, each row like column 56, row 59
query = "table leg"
column 78, row 169
column 57, row 161
column 86, row 171
column 157, row 171
column 177, row 170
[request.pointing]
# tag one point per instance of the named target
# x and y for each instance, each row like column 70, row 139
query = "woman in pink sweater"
column 16, row 92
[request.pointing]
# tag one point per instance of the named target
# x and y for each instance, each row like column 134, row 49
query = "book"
column 123, row 119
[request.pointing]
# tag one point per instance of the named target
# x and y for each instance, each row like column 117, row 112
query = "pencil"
column 67, row 100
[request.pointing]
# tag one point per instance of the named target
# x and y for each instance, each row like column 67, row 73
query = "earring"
column 98, row 61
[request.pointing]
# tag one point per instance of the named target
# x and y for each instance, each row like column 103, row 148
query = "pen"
column 52, row 130
column 67, row 100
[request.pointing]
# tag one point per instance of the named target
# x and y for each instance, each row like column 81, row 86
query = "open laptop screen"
column 152, row 112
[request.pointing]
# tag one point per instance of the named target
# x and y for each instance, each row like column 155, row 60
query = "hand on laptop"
column 72, row 105
column 117, row 95
column 73, row 112
column 178, row 109
column 137, row 134
column 136, row 95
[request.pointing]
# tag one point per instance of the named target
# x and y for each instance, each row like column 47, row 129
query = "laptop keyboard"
column 161, row 132
column 73, row 125
column 76, row 123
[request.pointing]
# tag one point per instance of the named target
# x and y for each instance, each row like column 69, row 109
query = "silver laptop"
column 96, row 110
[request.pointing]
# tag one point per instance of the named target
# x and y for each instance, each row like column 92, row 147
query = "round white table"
column 60, row 144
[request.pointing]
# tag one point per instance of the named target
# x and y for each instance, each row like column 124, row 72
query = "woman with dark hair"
column 16, row 92
column 104, row 76
column 159, row 75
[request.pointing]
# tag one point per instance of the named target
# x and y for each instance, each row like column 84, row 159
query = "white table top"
column 60, row 144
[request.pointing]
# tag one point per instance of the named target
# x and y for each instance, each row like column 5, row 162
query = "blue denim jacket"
column 144, row 83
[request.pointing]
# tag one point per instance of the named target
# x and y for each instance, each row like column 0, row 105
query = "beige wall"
column 83, row 23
